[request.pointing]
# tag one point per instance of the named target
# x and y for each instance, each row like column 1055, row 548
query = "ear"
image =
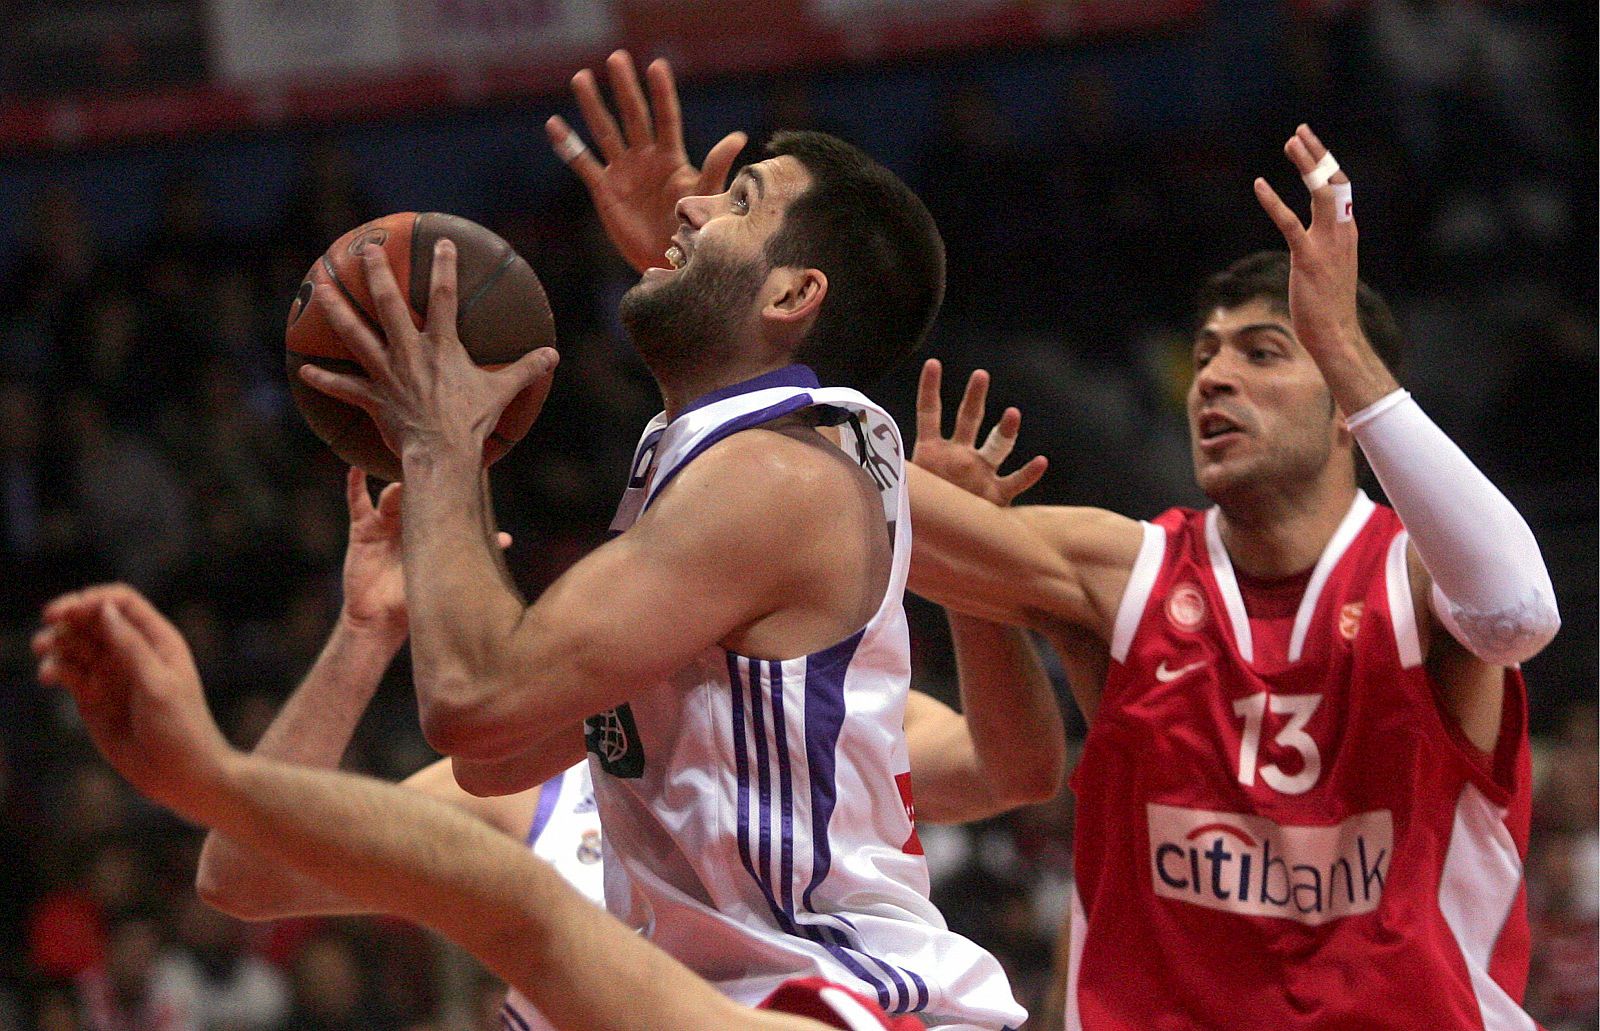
column 1341, row 428
column 794, row 297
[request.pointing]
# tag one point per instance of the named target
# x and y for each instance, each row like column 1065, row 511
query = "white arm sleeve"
column 1490, row 586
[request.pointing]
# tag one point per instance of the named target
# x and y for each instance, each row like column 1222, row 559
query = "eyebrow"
column 1207, row 333
column 755, row 177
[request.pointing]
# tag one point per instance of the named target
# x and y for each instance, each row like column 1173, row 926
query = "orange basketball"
column 503, row 314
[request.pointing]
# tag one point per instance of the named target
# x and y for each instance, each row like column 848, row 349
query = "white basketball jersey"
column 566, row 834
column 758, row 817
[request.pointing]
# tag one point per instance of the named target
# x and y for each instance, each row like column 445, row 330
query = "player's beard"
column 691, row 321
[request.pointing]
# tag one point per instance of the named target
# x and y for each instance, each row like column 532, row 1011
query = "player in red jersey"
column 387, row 848
column 1304, row 797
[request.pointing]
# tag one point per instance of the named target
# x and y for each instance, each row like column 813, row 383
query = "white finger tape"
column 570, row 148
column 1318, row 177
column 1344, row 209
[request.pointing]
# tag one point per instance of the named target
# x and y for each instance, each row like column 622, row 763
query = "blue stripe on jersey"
column 763, row 774
column 825, row 673
column 780, row 734
column 796, row 375
column 784, row 915
column 549, row 793
column 741, row 763
column 728, row 429
column 511, row 1018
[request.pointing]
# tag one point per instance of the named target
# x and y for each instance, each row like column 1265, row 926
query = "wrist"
column 386, row 633
column 1355, row 374
column 206, row 790
column 441, row 457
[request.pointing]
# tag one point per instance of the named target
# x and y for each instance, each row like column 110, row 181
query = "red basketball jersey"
column 1282, row 830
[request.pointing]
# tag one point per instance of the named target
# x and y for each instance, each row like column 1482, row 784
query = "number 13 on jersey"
column 1298, row 707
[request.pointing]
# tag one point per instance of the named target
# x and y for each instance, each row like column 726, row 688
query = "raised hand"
column 958, row 458
column 138, row 692
column 420, row 387
column 646, row 170
column 374, row 574
column 1322, row 258
column 374, row 577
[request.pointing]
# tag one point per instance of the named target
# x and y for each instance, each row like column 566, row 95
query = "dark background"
column 1084, row 188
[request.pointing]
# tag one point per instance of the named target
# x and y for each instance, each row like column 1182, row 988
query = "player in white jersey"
column 965, row 769
column 388, row 849
column 769, row 544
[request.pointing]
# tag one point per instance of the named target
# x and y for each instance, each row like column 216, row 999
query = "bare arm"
column 1032, row 565
column 313, row 730
column 1006, row 748
column 388, row 849
column 1029, row 565
column 315, row 725
column 1483, row 596
column 317, row 722
column 703, row 564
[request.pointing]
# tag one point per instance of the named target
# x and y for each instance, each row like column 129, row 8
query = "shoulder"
column 772, row 476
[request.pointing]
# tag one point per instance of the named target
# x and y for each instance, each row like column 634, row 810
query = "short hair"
column 1264, row 276
column 875, row 241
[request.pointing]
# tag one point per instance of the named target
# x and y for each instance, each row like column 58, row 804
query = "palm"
column 961, row 465
column 646, row 170
column 374, row 576
column 637, row 200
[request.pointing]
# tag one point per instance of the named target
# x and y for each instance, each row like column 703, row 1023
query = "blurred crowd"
column 146, row 434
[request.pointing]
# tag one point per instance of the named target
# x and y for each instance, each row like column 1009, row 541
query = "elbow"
column 222, row 892
column 1505, row 636
column 459, row 725
column 1517, row 640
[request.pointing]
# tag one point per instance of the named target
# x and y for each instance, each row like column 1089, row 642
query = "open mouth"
column 1214, row 426
column 676, row 257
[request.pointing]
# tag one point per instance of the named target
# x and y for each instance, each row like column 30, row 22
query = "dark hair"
column 1264, row 275
column 870, row 235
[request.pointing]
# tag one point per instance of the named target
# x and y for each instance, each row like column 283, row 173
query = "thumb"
column 531, row 367
column 719, row 161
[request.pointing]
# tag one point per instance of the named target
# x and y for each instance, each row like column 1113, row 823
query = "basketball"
column 503, row 314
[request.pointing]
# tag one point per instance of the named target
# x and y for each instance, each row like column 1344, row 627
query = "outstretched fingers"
column 930, row 415
column 1014, row 484
column 664, row 102
column 388, row 301
column 1282, row 216
column 528, row 370
column 356, row 497
column 568, row 146
column 1002, row 438
column 442, row 292
column 602, row 127
column 969, row 415
column 624, row 79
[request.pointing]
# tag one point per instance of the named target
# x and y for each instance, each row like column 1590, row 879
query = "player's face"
column 1260, row 413
column 718, row 263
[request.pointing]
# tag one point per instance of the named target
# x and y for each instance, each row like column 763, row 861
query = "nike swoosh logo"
column 1167, row 676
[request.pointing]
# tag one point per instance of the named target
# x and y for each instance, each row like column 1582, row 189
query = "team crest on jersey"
column 1186, row 607
column 1350, row 619
column 614, row 739
column 589, row 848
